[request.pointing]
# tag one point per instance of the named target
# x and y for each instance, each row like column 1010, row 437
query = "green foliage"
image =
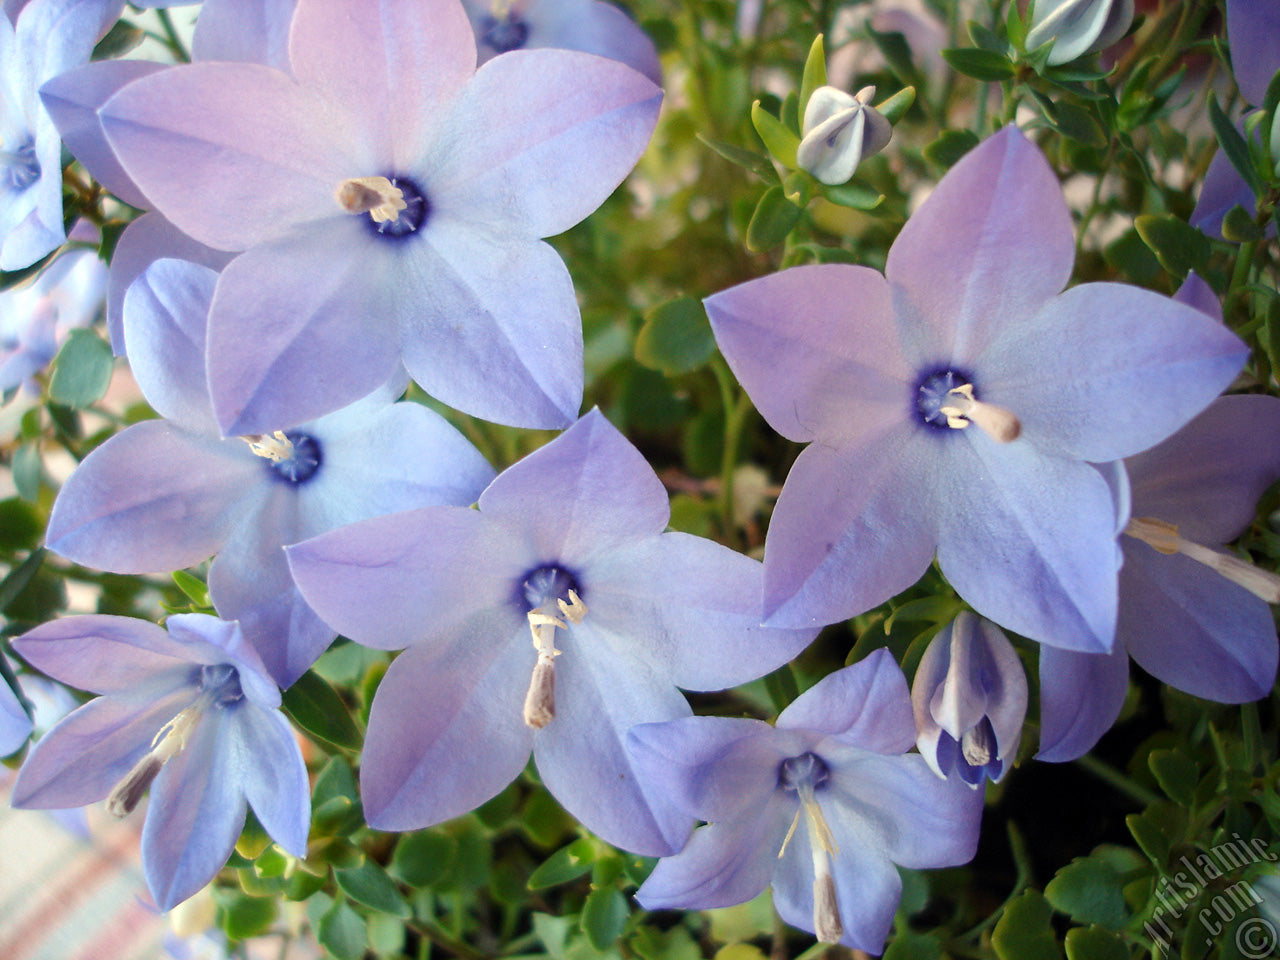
column 314, row 706
column 676, row 337
column 1024, row 931
column 1088, row 890
column 81, row 370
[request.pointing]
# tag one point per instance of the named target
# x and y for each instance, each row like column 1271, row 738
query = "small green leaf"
column 195, row 589
column 120, row 39
column 1024, row 931
column 20, row 526
column 985, row 65
column 567, row 863
column 1233, row 145
column 1238, row 226
column 314, row 706
column 370, row 885
column 1095, row 943
column 386, row 935
column 781, row 141
column 26, row 471
column 604, row 915
column 341, row 931
column 1176, row 773
column 81, row 370
column 757, row 163
column 1179, row 246
column 422, row 858
column 1157, row 829
column 775, row 217
column 913, row 946
column 303, row 885
column 950, row 146
column 986, row 38
column 676, row 337
column 815, row 73
column 1088, row 890
column 894, row 108
column 246, row 916
column 896, row 51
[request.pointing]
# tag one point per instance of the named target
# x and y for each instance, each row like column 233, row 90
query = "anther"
column 977, row 745
column 167, row 744
column 1163, row 537
column 960, row 408
column 540, row 700
column 376, row 196
column 275, row 447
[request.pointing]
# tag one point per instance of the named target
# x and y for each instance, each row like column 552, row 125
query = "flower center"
column 1163, row 537
column 978, row 744
column 293, row 457
column 945, row 399
column 396, row 206
column 548, row 590
column 19, row 168
column 504, row 31
column 803, row 775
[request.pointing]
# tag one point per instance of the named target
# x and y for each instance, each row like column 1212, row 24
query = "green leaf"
column 370, row 885
column 895, row 108
column 567, row 863
column 303, row 885
column 815, row 72
column 896, row 51
column 774, row 219
column 1233, row 145
column 913, row 946
column 20, row 526
column 673, row 944
column 120, row 39
column 1025, row 931
column 853, row 195
column 26, row 471
column 757, row 163
column 1088, row 890
column 314, row 706
column 1238, row 226
column 386, row 935
column 246, row 916
column 195, row 589
column 676, row 337
column 1074, row 121
column 1179, row 246
column 1157, row 829
column 423, row 858
column 950, row 146
column 341, row 931
column 81, row 370
column 984, row 65
column 604, row 916
column 1094, row 943
column 780, row 140
column 1176, row 773
column 986, row 38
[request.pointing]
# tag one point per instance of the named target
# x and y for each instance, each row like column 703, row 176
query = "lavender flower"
column 839, row 130
column 1077, row 27
column 833, row 761
column 1253, row 36
column 969, row 698
column 15, row 723
column 956, row 405
column 167, row 494
column 567, row 548
column 389, row 200
column 189, row 713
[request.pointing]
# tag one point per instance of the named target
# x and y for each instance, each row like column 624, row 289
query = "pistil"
column 376, row 196
column 801, row 774
column 540, row 701
column 1163, row 537
column 961, row 409
column 275, row 447
column 167, row 744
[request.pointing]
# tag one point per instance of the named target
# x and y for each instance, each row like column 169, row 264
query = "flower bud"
column 1077, row 27
column 839, row 130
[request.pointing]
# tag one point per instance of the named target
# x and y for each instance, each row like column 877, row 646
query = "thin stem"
column 1111, row 775
column 172, row 40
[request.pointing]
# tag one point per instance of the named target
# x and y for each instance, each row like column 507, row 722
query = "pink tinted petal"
column 987, row 248
column 490, row 326
column 584, row 494
column 587, row 25
column 145, row 240
column 1208, row 477
column 540, row 138
column 411, row 577
column 1107, row 370
column 164, row 326
column 244, row 31
column 690, row 608
column 852, row 528
column 300, row 327
column 152, row 498
column 446, row 732
column 411, row 57
column 816, row 348
column 866, row 705
column 232, row 153
column 268, row 765
column 1194, row 629
column 1080, row 697
column 73, row 99
column 1029, row 541
column 600, row 693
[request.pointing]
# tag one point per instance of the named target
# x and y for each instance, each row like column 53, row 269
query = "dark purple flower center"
column 508, row 32
column 546, row 584
column 408, row 221
column 931, row 395
column 19, row 168
column 220, row 684
column 302, row 464
column 807, row 770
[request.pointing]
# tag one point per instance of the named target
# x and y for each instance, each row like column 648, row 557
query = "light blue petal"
column 244, row 31
column 268, row 764
column 15, row 725
column 866, row 705
column 1080, row 697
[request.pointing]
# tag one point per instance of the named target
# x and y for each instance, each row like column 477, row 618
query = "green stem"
column 1122, row 783
column 735, row 405
column 171, row 38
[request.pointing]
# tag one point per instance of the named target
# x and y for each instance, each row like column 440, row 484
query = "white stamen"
column 275, row 447
column 827, row 925
column 1163, row 537
column 376, row 196
column 976, row 747
column 961, row 409
column 167, row 744
column 540, row 700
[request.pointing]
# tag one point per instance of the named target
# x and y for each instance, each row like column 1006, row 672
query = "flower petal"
column 266, row 762
column 244, row 31
column 865, row 705
column 1080, row 697
column 1253, row 33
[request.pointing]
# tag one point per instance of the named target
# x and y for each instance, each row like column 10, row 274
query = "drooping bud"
column 376, row 196
column 839, row 131
column 1163, row 537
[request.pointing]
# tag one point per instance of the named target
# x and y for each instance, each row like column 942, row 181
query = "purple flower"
column 587, row 25
column 165, row 494
column 955, row 404
column 1077, row 27
column 189, row 713
column 833, row 761
column 15, row 723
column 389, row 200
column 839, row 130
column 1253, row 35
column 1222, row 189
column 969, row 698
column 567, row 549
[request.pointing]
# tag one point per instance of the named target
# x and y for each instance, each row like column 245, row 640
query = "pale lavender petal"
column 1221, row 189
column 1032, row 560
column 73, row 99
column 194, row 816
column 300, row 327
column 234, row 154
column 1194, row 292
column 446, row 732
column 267, row 764
column 401, row 579
column 816, row 349
column 164, row 329
column 584, row 495
column 1208, row 477
column 147, row 239
column 540, row 138
column 600, row 693
column 1080, row 697
column 849, row 531
column 690, row 608
column 1193, row 629
column 988, row 247
column 413, row 57
column 1079, row 396
column 244, row 31
column 865, row 705
column 15, row 725
column 1253, row 35
column 489, row 324
column 153, row 498
column 201, row 632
